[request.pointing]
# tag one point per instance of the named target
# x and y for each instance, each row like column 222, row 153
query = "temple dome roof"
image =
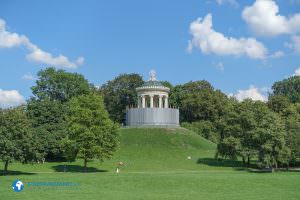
column 153, row 84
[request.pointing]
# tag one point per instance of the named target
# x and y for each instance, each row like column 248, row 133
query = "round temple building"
column 153, row 106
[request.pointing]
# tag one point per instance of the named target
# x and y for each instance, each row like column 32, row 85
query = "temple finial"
column 152, row 75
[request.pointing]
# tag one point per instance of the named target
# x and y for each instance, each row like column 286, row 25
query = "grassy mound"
column 161, row 149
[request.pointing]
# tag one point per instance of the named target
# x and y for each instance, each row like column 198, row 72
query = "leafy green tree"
column 278, row 103
column 289, row 87
column 229, row 148
column 91, row 133
column 119, row 93
column 291, row 116
column 59, row 85
column 284, row 156
column 53, row 89
column 244, row 125
column 49, row 125
column 271, row 140
column 198, row 101
column 16, row 140
column 241, row 122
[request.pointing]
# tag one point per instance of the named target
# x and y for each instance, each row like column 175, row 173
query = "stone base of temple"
column 152, row 117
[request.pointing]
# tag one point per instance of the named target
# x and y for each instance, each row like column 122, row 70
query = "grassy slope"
column 156, row 168
column 144, row 150
column 161, row 149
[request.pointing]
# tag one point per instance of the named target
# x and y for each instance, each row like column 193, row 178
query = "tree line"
column 267, row 132
column 67, row 118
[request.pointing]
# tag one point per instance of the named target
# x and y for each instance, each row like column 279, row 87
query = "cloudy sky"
column 241, row 48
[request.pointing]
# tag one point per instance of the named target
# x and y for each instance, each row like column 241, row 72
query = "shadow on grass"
column 223, row 163
column 15, row 173
column 235, row 164
column 289, row 170
column 240, row 166
column 76, row 168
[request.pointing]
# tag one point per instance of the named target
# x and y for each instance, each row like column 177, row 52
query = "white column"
column 139, row 102
column 166, row 102
column 160, row 101
column 151, row 101
column 143, row 101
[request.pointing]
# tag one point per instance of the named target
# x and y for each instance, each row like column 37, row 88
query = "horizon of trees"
column 268, row 132
column 67, row 118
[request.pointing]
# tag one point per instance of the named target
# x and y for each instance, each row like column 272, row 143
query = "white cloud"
column 297, row 72
column 277, row 54
column 10, row 98
column 29, row 77
column 208, row 41
column 263, row 19
column 10, row 40
column 231, row 2
column 251, row 93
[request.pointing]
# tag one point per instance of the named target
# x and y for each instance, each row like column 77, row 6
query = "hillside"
column 156, row 167
column 161, row 149
column 146, row 149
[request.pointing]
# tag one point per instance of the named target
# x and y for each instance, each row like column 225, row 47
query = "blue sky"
column 241, row 47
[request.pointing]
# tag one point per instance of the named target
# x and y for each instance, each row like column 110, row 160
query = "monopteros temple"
column 153, row 106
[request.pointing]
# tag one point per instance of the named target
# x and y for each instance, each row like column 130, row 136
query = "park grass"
column 156, row 167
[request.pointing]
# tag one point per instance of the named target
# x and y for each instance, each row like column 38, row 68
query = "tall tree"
column 278, row 103
column 119, row 93
column 50, row 127
column 271, row 140
column 229, row 148
column 16, row 141
column 257, row 131
column 59, row 85
column 53, row 89
column 289, row 87
column 198, row 101
column 291, row 116
column 91, row 133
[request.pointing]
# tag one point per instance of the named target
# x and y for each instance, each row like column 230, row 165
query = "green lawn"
column 156, row 167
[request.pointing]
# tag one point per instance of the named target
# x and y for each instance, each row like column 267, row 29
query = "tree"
column 271, row 140
column 119, row 93
column 291, row 117
column 91, row 133
column 50, row 127
column 47, row 108
column 237, row 123
column 278, row 103
column 229, row 148
column 59, row 85
column 289, row 87
column 198, row 101
column 254, row 130
column 16, row 141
